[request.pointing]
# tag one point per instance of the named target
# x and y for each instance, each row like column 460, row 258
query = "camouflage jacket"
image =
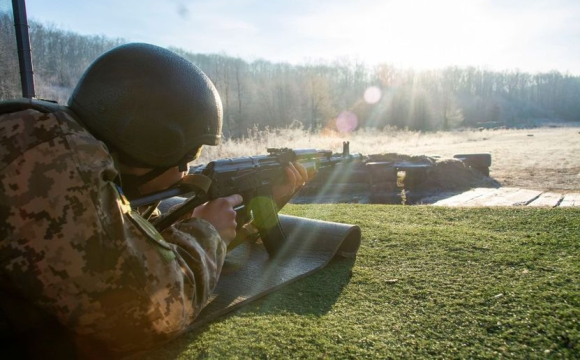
column 72, row 246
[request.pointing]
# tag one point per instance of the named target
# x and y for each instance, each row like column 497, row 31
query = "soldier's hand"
column 221, row 214
column 296, row 177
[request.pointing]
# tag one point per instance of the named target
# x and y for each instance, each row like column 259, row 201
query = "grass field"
column 427, row 283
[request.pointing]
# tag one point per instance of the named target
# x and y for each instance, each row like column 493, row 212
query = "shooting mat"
column 249, row 273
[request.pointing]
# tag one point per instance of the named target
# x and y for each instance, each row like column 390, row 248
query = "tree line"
column 343, row 95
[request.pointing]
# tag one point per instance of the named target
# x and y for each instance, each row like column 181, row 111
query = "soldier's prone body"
column 72, row 249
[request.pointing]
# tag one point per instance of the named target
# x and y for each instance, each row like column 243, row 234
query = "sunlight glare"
column 346, row 122
column 418, row 33
column 372, row 95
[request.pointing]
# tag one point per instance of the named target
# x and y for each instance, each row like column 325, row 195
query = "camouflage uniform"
column 71, row 245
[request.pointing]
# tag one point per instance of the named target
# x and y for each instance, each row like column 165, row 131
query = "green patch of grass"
column 427, row 282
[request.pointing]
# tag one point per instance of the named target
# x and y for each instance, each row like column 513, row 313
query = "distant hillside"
column 315, row 95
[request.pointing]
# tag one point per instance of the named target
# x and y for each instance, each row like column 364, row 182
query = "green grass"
column 427, row 282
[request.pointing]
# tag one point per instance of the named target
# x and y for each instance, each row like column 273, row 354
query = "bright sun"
column 430, row 33
column 420, row 34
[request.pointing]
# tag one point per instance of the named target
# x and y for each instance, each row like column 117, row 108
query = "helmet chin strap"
column 131, row 183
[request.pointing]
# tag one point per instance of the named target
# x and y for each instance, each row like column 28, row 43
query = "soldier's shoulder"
column 36, row 114
column 22, row 104
column 26, row 123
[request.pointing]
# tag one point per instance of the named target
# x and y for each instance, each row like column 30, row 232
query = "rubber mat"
column 249, row 273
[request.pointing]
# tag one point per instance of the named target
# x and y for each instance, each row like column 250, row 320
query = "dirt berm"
column 383, row 178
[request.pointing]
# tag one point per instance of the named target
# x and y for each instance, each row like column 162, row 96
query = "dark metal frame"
column 24, row 51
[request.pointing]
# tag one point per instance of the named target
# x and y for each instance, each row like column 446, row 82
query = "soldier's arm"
column 159, row 283
column 177, row 271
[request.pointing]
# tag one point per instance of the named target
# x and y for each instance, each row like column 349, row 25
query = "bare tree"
column 270, row 94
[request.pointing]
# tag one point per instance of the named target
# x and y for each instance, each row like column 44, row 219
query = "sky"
column 531, row 36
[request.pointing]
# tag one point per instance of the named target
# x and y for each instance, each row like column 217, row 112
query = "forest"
column 343, row 95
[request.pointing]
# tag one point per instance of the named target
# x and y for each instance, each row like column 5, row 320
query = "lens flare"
column 372, row 95
column 346, row 122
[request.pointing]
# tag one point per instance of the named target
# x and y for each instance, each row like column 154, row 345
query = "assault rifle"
column 253, row 178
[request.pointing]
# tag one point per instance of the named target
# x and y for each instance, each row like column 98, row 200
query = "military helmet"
column 149, row 104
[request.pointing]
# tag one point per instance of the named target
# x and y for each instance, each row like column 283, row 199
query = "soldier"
column 72, row 249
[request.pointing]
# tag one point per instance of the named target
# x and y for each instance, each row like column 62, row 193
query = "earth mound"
column 393, row 178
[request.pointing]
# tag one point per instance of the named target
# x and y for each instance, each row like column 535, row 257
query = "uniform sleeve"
column 79, row 252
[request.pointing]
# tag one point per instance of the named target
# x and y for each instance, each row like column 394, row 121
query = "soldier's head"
column 152, row 107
